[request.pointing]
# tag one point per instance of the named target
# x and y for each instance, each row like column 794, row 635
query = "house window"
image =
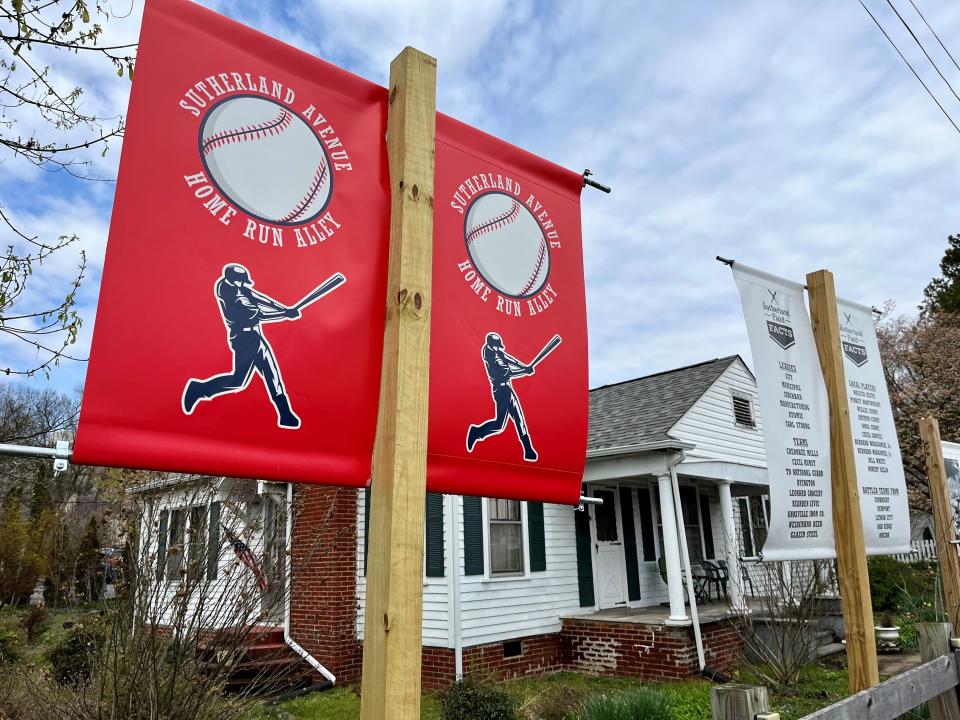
column 743, row 410
column 175, row 536
column 754, row 511
column 506, row 537
column 186, row 544
column 606, row 516
column 197, row 543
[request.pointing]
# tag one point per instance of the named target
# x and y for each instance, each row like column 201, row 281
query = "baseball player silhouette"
column 243, row 309
column 501, row 369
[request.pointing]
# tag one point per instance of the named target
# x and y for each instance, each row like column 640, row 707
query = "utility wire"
column 949, row 54
column 915, row 74
column 922, row 48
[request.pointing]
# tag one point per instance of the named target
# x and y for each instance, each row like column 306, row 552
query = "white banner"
column 883, row 487
column 951, row 461
column 796, row 422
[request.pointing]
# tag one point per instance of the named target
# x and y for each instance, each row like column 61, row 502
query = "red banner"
column 240, row 324
column 508, row 343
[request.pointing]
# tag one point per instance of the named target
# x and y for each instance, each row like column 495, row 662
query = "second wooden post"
column 943, row 521
column 390, row 685
column 847, row 523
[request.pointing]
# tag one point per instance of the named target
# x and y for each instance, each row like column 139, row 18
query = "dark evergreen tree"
column 89, row 571
column 942, row 295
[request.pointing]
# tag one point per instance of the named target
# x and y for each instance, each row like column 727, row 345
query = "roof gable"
column 645, row 409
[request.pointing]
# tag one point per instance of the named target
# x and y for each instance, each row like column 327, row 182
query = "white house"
column 524, row 587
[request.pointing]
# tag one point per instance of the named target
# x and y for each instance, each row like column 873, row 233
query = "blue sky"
column 787, row 135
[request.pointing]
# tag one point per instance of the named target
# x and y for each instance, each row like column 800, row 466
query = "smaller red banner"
column 508, row 345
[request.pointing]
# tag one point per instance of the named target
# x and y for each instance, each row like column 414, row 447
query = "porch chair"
column 716, row 577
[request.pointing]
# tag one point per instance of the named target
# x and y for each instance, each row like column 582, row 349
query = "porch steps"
column 265, row 664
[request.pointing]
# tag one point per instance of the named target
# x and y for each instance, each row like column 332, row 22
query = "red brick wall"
column 540, row 654
column 324, row 594
column 649, row 652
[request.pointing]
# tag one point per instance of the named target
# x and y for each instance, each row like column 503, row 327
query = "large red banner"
column 508, row 343
column 240, row 324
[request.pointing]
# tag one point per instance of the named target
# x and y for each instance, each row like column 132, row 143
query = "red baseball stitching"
column 494, row 223
column 250, row 132
column 536, row 270
column 318, row 179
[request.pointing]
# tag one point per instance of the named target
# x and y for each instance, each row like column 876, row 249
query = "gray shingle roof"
column 643, row 410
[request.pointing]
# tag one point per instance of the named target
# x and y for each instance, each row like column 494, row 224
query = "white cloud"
column 787, row 136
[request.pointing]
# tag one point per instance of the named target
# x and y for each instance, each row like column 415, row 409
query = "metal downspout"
column 685, row 556
column 314, row 663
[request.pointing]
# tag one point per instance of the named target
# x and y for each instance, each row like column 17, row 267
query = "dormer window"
column 743, row 410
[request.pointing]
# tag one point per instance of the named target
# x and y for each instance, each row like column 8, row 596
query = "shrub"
column 34, row 621
column 473, row 699
column 72, row 658
column 9, row 645
column 886, row 583
column 556, row 702
column 643, row 703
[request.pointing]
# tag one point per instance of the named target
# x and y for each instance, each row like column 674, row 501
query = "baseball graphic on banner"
column 266, row 159
column 506, row 245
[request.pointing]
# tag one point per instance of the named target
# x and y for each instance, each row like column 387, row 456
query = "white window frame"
column 489, row 576
column 184, row 554
column 738, row 394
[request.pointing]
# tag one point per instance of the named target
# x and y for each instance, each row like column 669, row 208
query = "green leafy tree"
column 942, row 295
column 89, row 572
column 43, row 122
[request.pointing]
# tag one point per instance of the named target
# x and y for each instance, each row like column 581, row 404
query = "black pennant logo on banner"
column 782, row 335
column 856, row 353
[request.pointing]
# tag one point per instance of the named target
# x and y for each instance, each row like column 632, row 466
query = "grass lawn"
column 690, row 700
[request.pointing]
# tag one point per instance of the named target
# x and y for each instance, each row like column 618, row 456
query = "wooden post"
column 737, row 702
column 942, row 517
column 934, row 642
column 852, row 574
column 394, row 596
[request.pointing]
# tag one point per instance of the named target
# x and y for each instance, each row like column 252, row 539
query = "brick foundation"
column 649, row 652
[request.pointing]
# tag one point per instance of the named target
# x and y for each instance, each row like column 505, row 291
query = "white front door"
column 609, row 566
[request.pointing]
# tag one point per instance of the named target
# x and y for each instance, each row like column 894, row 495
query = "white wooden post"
column 671, row 552
column 734, row 577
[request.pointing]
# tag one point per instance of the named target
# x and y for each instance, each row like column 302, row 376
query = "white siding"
column 435, row 632
column 220, row 609
column 501, row 608
column 493, row 609
column 709, row 423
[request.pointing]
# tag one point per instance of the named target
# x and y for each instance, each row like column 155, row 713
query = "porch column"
column 734, row 578
column 671, row 553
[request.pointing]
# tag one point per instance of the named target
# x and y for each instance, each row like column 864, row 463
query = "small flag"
column 246, row 556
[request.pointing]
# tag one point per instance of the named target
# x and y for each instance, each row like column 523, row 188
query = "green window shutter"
column 536, row 541
column 706, row 524
column 366, row 526
column 433, row 544
column 162, row 544
column 213, row 542
column 472, row 536
column 629, row 544
column 646, row 526
column 584, row 558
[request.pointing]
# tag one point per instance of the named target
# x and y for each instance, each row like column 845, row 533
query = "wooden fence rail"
column 896, row 696
column 886, row 701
